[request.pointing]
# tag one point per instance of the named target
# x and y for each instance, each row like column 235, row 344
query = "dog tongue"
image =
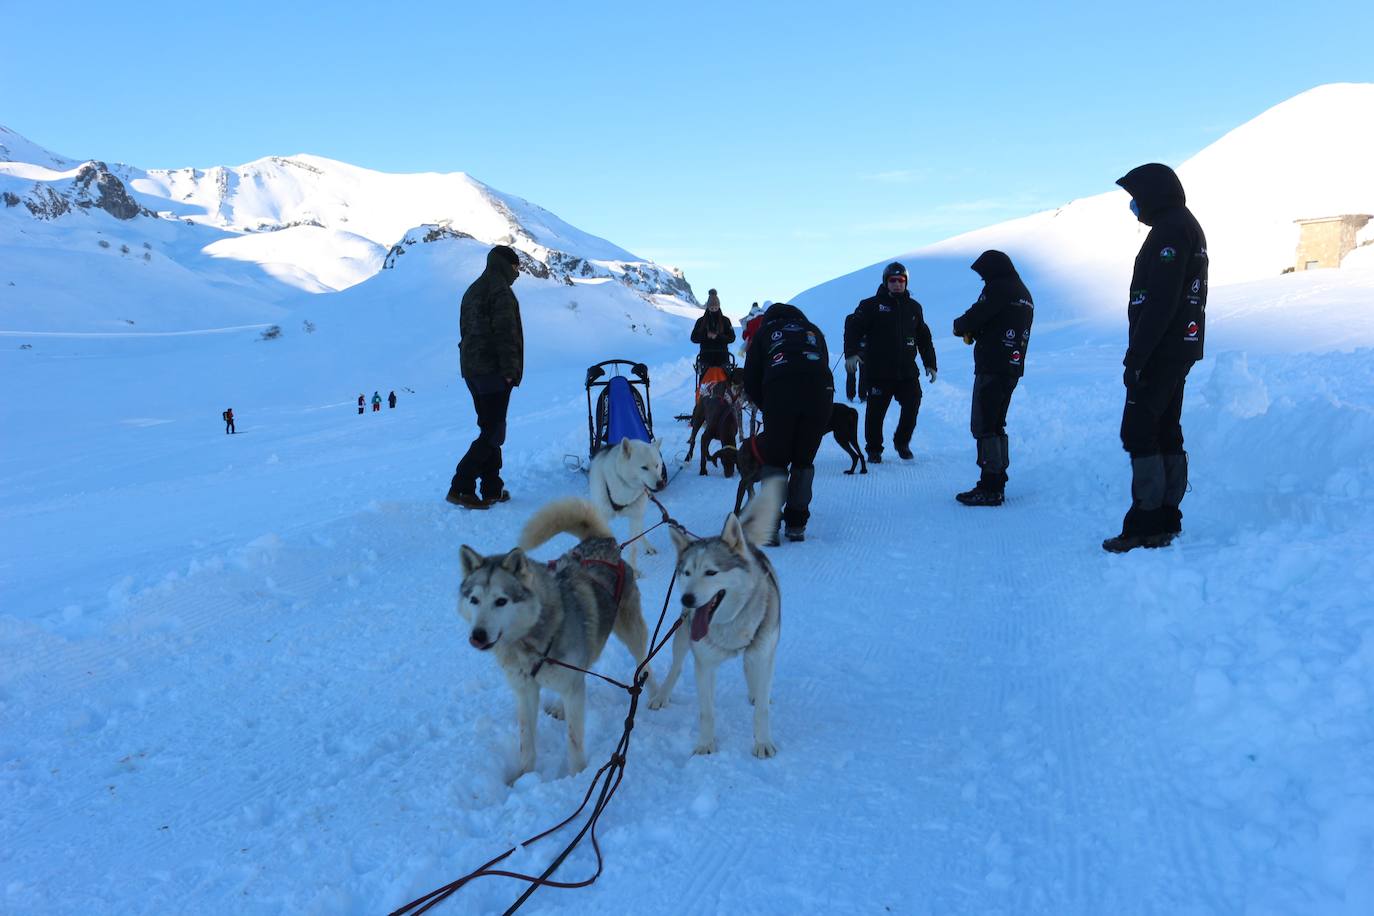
column 701, row 620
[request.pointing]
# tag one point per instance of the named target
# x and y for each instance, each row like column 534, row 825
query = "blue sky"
column 763, row 148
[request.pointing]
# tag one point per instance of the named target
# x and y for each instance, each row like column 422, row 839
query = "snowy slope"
column 233, row 680
column 1308, row 156
column 265, row 231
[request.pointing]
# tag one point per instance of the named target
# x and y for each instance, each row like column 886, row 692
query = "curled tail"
column 564, row 516
column 760, row 518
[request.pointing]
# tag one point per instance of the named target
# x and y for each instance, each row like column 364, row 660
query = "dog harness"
column 618, row 567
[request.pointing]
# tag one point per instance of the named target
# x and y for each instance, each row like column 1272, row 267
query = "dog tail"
column 760, row 518
column 564, row 516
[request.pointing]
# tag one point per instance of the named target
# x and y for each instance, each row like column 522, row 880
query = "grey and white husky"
column 731, row 604
column 524, row 611
column 621, row 478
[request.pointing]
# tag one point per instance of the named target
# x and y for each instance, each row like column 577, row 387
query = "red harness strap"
column 618, row 567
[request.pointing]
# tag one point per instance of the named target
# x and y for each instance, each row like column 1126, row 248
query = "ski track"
column 1038, row 780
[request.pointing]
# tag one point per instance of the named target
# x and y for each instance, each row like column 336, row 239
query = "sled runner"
column 622, row 410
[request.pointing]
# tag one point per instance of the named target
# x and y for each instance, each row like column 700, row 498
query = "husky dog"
column 524, row 611
column 621, row 478
column 730, row 604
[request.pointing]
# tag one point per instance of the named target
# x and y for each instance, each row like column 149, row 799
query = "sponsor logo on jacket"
column 1016, row 357
column 1193, row 330
column 1137, row 296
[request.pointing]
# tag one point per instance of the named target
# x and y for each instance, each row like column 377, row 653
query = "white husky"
column 525, row 612
column 621, row 478
column 730, row 604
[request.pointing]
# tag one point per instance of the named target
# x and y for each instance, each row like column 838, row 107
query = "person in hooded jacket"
column 887, row 331
column 787, row 373
column 492, row 361
column 998, row 326
column 1166, row 316
column 713, row 333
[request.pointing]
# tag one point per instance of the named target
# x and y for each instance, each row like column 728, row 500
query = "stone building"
column 1325, row 241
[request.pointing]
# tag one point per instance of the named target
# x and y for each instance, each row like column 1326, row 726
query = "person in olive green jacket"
column 492, row 355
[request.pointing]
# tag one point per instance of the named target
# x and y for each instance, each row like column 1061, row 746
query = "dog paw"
column 658, row 701
column 704, row 747
column 554, row 708
column 765, row 749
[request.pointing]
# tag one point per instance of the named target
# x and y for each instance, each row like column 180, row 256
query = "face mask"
column 1135, row 208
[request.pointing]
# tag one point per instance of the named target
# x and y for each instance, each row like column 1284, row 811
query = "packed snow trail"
column 268, row 704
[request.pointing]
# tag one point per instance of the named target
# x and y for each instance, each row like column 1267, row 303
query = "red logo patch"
column 1016, row 356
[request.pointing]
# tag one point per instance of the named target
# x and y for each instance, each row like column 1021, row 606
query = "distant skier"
column 362, row 401
column 391, row 400
column 888, row 330
column 376, row 402
column 228, row 416
column 1167, row 316
column 998, row 325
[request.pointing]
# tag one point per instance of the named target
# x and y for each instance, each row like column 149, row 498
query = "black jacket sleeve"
column 856, row 327
column 924, row 343
column 980, row 313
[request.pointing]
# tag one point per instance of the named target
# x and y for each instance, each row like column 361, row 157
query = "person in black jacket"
column 1167, row 318
column 787, row 373
column 714, row 333
column 890, row 329
column 998, row 325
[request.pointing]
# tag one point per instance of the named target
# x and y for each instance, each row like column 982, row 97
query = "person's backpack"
column 225, row 415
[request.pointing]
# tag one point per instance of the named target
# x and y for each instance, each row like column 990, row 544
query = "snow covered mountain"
column 1306, row 157
column 262, row 232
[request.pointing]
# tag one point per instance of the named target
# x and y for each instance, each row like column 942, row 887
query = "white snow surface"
column 234, row 679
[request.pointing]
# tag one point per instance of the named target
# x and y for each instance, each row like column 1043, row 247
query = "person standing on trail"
column 998, row 326
column 887, row 331
column 361, row 402
column 492, row 351
column 391, row 401
column 229, row 421
column 714, row 333
column 1166, row 317
column 787, row 373
column 376, row 402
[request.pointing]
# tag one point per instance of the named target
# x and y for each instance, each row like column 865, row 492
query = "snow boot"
column 770, row 471
column 1175, row 485
column 980, row 496
column 903, row 452
column 797, row 511
column 795, row 534
column 466, row 500
column 1145, row 524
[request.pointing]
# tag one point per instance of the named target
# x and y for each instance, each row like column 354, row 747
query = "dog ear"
column 680, row 538
column 516, row 563
column 732, row 535
column 468, row 560
column 625, row 447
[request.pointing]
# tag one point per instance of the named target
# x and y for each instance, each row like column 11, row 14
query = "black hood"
column 504, row 262
column 1155, row 187
column 993, row 263
column 782, row 310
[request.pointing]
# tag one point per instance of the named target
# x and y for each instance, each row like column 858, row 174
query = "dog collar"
column 610, row 499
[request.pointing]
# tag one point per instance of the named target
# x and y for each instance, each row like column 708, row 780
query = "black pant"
column 880, row 395
column 491, row 399
column 795, row 420
column 1150, row 421
column 988, row 423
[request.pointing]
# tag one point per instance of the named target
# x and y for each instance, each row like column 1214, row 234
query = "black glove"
column 1131, row 377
